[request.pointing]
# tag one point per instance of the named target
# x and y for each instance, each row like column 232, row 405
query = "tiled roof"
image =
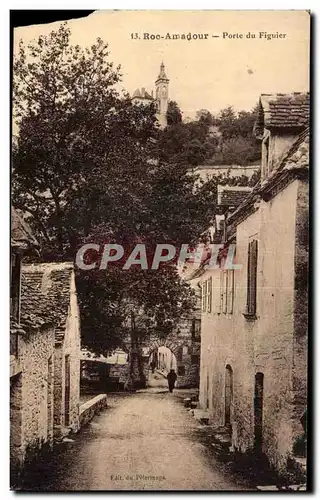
column 232, row 197
column 21, row 234
column 136, row 93
column 148, row 96
column 283, row 111
column 295, row 160
column 142, row 94
column 45, row 295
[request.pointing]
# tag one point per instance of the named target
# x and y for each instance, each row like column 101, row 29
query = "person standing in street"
column 172, row 377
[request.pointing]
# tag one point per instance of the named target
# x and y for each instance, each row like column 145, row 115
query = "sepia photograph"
column 159, row 264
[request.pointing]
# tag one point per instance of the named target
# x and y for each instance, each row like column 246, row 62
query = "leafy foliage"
column 87, row 167
column 174, row 114
column 225, row 139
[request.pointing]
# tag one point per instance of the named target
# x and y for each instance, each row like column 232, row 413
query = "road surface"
column 143, row 441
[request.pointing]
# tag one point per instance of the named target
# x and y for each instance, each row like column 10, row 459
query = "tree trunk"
column 136, row 378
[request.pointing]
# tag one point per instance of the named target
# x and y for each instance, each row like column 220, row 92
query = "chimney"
column 143, row 92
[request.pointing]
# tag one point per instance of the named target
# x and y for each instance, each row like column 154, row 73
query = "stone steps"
column 221, row 439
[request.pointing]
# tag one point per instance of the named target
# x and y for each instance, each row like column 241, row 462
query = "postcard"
column 159, row 251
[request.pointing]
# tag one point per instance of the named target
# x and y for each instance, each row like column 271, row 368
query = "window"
column 252, row 278
column 226, row 291
column 265, row 158
column 195, row 359
column 181, row 370
column 230, row 291
column 196, row 329
column 179, row 354
column 209, row 294
column 206, row 297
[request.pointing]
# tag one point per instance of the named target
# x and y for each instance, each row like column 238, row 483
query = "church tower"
column 162, row 87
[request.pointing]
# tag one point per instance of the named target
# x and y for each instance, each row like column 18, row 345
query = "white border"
column 4, row 184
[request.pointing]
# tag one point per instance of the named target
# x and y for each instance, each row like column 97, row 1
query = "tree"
column 73, row 126
column 174, row 114
column 86, row 167
column 205, row 117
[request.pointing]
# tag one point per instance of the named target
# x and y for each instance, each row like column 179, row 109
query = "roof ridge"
column 47, row 266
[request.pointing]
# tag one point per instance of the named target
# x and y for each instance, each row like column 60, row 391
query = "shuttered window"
column 226, row 297
column 209, row 295
column 217, row 295
column 230, row 291
column 224, row 291
column 221, row 290
column 204, row 296
column 252, row 277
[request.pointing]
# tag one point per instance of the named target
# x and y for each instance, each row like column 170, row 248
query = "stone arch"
column 173, row 345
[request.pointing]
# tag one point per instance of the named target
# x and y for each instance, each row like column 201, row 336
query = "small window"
column 230, row 291
column 209, row 295
column 252, row 278
column 179, row 354
column 204, row 296
column 196, row 329
column 195, row 359
column 181, row 370
column 265, row 158
column 224, row 291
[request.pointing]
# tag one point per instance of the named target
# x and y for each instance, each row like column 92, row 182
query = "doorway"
column 50, row 399
column 228, row 395
column 258, row 411
column 67, row 391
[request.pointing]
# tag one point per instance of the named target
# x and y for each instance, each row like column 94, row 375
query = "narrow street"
column 143, row 441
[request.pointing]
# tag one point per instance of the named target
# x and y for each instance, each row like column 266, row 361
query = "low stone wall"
column 90, row 408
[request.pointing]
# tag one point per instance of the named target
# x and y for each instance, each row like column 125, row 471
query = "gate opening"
column 161, row 361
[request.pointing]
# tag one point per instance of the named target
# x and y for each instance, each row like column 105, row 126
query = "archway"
column 228, row 395
column 161, row 361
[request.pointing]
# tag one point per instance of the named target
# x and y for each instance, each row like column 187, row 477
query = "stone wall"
column 31, row 396
column 206, row 172
column 67, row 352
column 90, row 408
column 262, row 345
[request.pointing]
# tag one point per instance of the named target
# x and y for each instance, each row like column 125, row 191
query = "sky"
column 210, row 73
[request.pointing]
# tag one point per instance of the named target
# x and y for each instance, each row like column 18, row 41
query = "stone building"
column 24, row 344
column 253, row 379
column 161, row 99
column 50, row 288
column 44, row 321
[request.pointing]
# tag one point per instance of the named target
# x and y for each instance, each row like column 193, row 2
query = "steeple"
column 162, row 96
column 162, row 75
